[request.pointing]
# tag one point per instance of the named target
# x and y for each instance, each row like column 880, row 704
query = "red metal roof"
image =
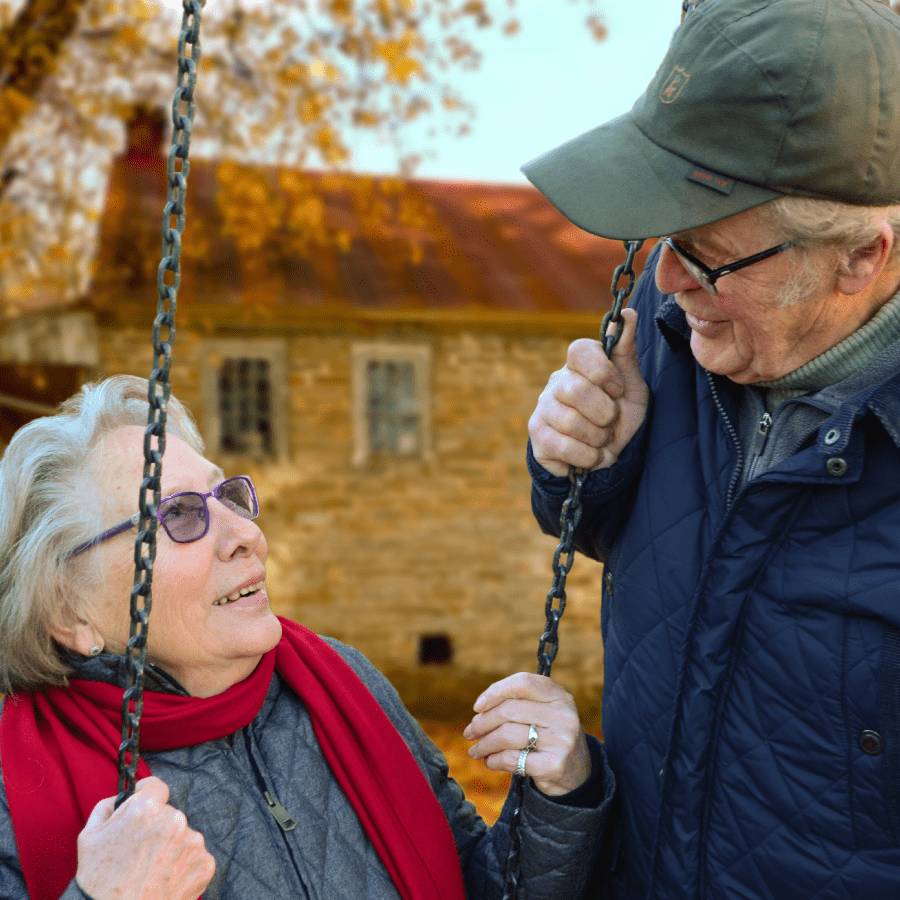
column 460, row 245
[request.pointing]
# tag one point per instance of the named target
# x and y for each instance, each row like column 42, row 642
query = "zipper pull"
column 282, row 816
column 762, row 432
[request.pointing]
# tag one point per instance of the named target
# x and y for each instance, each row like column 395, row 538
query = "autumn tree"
column 281, row 81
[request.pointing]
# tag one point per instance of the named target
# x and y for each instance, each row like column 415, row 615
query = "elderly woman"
column 283, row 765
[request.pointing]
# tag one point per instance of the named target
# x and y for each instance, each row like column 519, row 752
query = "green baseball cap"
column 755, row 99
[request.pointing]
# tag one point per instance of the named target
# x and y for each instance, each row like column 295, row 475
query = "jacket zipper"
column 282, row 816
column 759, row 444
column 284, row 819
column 734, row 437
column 765, row 424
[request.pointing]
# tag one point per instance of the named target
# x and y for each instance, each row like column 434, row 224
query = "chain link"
column 569, row 518
column 158, row 392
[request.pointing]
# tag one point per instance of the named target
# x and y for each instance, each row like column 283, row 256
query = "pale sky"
column 549, row 83
column 552, row 82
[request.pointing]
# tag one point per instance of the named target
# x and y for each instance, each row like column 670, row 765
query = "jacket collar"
column 672, row 323
column 110, row 668
column 883, row 399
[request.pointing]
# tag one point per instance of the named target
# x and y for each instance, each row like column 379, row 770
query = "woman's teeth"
column 243, row 592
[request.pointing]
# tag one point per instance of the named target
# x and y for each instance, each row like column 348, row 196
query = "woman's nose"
column 671, row 275
column 237, row 534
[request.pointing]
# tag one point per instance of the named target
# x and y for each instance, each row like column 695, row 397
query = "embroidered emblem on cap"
column 674, row 85
column 721, row 183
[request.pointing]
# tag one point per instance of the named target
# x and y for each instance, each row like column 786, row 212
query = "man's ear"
column 865, row 265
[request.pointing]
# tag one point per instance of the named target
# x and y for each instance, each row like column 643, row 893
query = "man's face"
column 754, row 329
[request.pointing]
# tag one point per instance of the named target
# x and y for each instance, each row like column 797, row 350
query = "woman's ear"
column 79, row 636
column 865, row 265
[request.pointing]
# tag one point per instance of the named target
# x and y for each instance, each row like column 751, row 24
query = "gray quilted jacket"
column 222, row 786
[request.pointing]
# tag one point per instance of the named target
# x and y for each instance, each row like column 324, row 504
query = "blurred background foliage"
column 282, row 82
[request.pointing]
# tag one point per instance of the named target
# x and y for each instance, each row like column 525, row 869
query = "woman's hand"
column 144, row 850
column 560, row 761
column 592, row 407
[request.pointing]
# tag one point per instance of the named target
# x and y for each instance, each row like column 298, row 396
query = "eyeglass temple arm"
column 109, row 533
column 757, row 257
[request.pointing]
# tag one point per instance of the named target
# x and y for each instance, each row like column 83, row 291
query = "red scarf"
column 59, row 749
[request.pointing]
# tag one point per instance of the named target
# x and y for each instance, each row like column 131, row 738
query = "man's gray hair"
column 826, row 233
column 42, row 519
column 829, row 224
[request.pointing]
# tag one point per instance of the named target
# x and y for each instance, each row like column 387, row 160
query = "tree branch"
column 29, row 49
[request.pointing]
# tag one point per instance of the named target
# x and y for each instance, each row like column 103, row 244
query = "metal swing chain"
column 569, row 518
column 158, row 393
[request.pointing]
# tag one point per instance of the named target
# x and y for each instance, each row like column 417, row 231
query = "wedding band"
column 532, row 738
column 520, row 771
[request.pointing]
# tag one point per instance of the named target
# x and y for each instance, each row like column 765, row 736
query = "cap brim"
column 616, row 183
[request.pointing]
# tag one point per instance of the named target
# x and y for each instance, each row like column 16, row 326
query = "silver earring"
column 95, row 650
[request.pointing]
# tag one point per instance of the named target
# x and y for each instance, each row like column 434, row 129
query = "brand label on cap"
column 674, row 85
column 721, row 183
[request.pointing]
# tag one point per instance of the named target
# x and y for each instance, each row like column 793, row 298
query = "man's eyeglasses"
column 707, row 276
column 185, row 516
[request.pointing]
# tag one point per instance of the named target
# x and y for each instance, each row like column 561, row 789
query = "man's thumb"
column 624, row 354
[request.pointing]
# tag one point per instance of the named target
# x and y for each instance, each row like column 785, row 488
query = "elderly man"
column 744, row 452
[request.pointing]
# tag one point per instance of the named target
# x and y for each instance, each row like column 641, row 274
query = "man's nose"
column 671, row 275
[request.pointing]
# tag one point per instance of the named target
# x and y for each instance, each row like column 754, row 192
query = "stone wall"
column 383, row 554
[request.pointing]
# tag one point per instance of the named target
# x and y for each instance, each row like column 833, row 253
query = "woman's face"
column 207, row 644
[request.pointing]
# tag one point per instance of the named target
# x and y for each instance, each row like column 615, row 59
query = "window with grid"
column 243, row 398
column 391, row 401
column 245, row 406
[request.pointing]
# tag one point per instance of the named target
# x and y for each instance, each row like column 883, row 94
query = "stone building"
column 377, row 388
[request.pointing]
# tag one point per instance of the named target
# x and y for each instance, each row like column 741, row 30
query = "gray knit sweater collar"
column 852, row 357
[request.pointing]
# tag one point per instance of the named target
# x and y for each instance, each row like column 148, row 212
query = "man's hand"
column 592, row 407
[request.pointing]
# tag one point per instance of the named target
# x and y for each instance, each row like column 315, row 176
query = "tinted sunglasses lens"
column 237, row 495
column 184, row 517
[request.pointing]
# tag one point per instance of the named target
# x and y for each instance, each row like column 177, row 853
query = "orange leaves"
column 320, row 69
column 312, row 107
column 597, row 27
column 294, row 74
column 251, row 210
column 283, row 82
column 340, row 9
column 403, row 68
column 330, row 146
column 130, row 37
column 397, row 54
column 344, row 240
column 13, row 103
column 365, row 118
column 478, row 10
column 304, row 219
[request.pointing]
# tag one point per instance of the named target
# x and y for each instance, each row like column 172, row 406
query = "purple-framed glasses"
column 185, row 516
column 707, row 276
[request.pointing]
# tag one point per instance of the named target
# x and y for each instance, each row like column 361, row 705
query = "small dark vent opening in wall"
column 435, row 649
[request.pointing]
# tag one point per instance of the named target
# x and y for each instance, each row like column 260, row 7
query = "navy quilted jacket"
column 752, row 642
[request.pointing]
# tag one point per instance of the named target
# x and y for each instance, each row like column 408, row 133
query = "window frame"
column 417, row 354
column 274, row 351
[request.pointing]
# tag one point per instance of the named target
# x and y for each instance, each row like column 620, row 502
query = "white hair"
column 826, row 233
column 42, row 520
